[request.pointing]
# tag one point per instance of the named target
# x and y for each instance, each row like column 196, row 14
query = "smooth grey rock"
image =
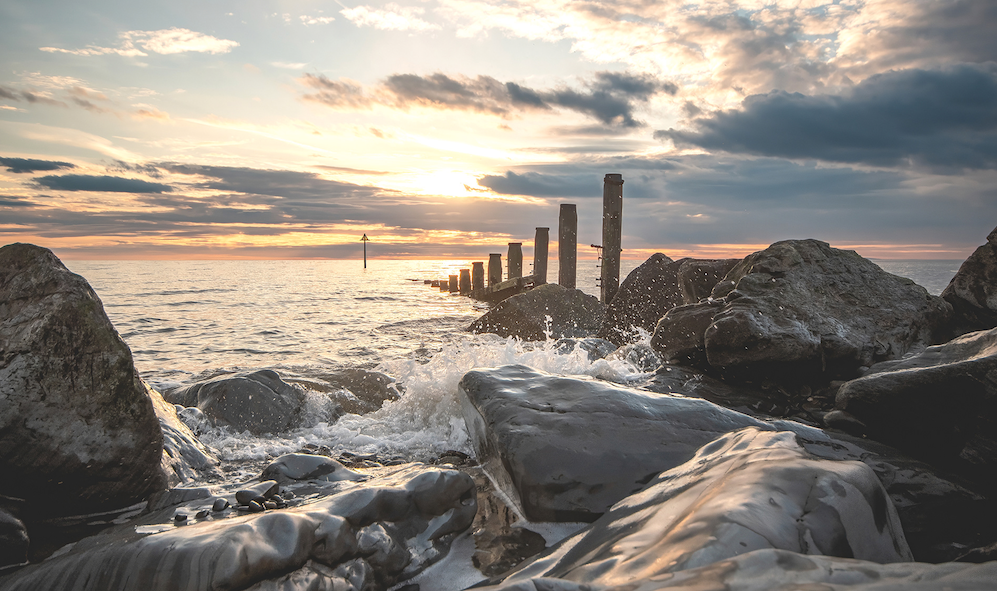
column 357, row 391
column 78, row 434
column 549, row 310
column 803, row 311
column 973, row 290
column 566, row 449
column 368, row 537
column 939, row 405
column 185, row 458
column 655, row 287
column 747, row 490
column 13, row 540
column 265, row 489
column 294, row 467
column 572, row 447
column 177, row 496
column 765, row 570
column 259, row 401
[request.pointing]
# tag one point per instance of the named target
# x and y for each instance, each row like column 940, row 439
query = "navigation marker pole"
column 365, row 240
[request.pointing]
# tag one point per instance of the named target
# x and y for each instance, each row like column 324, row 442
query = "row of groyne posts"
column 492, row 288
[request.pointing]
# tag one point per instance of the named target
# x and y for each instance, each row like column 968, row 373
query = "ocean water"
column 190, row 320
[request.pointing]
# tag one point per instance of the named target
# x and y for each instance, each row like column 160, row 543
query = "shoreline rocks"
column 545, row 311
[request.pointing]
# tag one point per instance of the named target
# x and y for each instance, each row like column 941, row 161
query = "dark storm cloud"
column 107, row 184
column 609, row 97
column 23, row 165
column 540, row 185
column 940, row 120
column 15, row 201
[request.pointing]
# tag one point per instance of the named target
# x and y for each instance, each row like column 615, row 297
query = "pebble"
column 201, row 514
column 179, row 518
column 270, row 504
column 264, row 489
column 220, row 505
column 255, row 507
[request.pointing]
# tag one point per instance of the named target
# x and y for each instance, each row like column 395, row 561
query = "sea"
column 187, row 321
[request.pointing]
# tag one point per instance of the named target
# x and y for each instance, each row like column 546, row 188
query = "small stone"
column 201, row 514
column 270, row 504
column 179, row 518
column 255, row 507
column 220, row 505
column 265, row 489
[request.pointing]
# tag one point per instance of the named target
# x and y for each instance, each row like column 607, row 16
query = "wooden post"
column 494, row 269
column 453, row 284
column 515, row 260
column 612, row 233
column 465, row 281
column 540, row 256
column 567, row 245
column 365, row 240
column 477, row 277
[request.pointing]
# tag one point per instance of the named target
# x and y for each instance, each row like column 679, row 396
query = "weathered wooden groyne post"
column 540, row 256
column 465, row 282
column 515, row 260
column 477, row 277
column 494, row 269
column 612, row 233
column 454, row 287
column 567, row 245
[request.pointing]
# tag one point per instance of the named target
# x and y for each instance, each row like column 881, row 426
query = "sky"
column 448, row 128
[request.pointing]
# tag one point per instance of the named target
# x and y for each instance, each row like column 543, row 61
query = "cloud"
column 391, row 18
column 23, row 165
column 316, row 20
column 164, row 41
column 541, row 185
column 107, row 184
column 941, row 120
column 29, row 96
column 609, row 97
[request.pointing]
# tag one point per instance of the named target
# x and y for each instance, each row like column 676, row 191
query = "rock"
column 265, row 489
column 640, row 355
column 939, row 406
column 803, row 311
column 177, row 496
column 219, row 505
column 567, row 449
column 655, row 287
column 547, row 311
column 78, row 434
column 294, row 467
column 13, row 540
column 764, row 570
column 362, row 391
column 594, row 348
column 184, row 457
column 369, row 537
column 259, row 401
column 748, row 490
column 973, row 290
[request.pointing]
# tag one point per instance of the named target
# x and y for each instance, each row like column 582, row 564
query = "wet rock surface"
column 655, row 287
column 78, row 433
column 748, row 490
column 13, row 540
column 185, row 458
column 337, row 535
column 939, row 406
column 973, row 290
column 294, row 467
column 548, row 310
column 259, row 401
column 567, row 449
column 355, row 390
column 802, row 311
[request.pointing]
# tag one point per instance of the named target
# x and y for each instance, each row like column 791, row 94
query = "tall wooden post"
column 477, row 276
column 452, row 284
column 494, row 269
column 515, row 259
column 365, row 240
column 540, row 256
column 465, row 281
column 612, row 233
column 567, row 245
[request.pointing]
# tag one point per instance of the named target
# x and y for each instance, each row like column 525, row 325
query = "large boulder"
column 548, row 311
column 973, row 290
column 803, row 311
column 746, row 491
column 365, row 537
column 259, row 401
column 567, row 449
column 13, row 540
column 655, row 287
column 939, row 406
column 78, row 434
column 356, row 390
